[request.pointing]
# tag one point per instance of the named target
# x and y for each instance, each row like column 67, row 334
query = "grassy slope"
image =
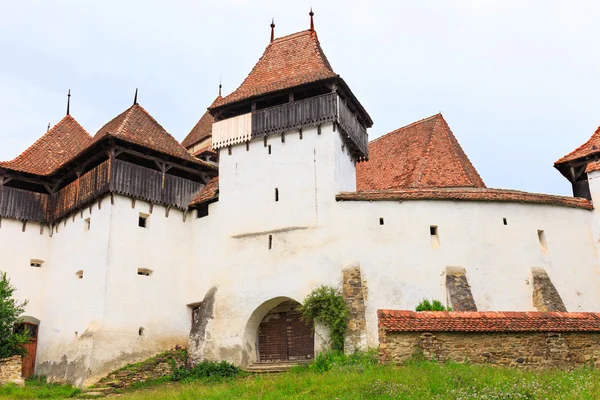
column 421, row 380
column 417, row 381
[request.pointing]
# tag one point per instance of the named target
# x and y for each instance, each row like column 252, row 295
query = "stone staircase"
column 274, row 367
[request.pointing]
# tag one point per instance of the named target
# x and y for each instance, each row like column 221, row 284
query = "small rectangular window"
column 269, row 149
column 542, row 239
column 36, row 263
column 144, row 272
column 143, row 220
column 380, row 221
column 79, row 274
column 270, row 242
column 202, row 211
column 276, row 194
column 87, row 224
column 504, row 221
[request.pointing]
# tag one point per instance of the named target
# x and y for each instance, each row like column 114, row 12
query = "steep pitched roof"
column 201, row 130
column 135, row 125
column 465, row 194
column 489, row 321
column 592, row 146
column 209, row 193
column 287, row 62
column 57, row 146
column 424, row 154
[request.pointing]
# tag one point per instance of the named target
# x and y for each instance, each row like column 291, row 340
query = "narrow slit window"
column 542, row 239
column 504, row 221
column 87, row 224
column 435, row 239
column 144, row 272
column 276, row 194
column 143, row 220
column 247, row 146
column 36, row 263
column 381, row 221
column 269, row 149
column 141, row 331
column 79, row 274
column 270, row 242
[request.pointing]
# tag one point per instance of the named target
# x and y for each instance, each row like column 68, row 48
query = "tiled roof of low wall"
column 489, row 321
column 465, row 194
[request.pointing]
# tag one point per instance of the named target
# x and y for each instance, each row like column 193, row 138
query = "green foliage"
column 433, row 305
column 37, row 387
column 206, row 370
column 11, row 342
column 335, row 360
column 326, row 305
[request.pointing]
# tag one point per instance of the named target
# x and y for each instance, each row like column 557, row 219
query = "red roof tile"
column 465, row 194
column 490, row 321
column 287, row 62
column 201, row 130
column 209, row 193
column 592, row 146
column 593, row 166
column 57, row 146
column 137, row 126
column 424, row 154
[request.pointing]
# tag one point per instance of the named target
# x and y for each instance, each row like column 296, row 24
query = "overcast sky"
column 518, row 81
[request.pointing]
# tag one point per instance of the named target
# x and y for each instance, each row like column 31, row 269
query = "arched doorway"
column 284, row 336
column 30, row 325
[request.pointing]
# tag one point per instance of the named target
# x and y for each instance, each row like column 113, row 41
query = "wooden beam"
column 152, row 158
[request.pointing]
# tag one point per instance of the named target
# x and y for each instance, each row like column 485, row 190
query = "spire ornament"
column 312, row 23
column 272, row 29
column 47, row 130
column 69, row 103
column 135, row 97
column 220, row 84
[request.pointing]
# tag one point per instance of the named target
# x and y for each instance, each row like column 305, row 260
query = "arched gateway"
column 284, row 336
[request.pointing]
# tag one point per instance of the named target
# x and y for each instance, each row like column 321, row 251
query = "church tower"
column 288, row 138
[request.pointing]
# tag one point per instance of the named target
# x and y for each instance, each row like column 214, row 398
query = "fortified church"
column 127, row 243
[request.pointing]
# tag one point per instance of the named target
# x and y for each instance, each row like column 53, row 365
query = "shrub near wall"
column 509, row 339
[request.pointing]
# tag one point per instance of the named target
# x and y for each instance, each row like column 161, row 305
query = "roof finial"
column 135, row 97
column 48, row 127
column 272, row 30
column 69, row 103
column 312, row 23
column 220, row 85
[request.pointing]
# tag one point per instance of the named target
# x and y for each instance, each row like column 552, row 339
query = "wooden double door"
column 284, row 336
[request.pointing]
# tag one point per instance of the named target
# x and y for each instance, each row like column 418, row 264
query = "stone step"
column 274, row 367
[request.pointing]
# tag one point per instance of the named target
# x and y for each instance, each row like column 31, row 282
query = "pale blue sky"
column 518, row 81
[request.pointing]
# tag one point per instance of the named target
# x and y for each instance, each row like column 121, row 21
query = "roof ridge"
column 290, row 36
column 406, row 126
column 566, row 157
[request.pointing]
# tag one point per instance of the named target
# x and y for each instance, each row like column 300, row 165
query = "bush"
column 206, row 370
column 434, row 305
column 11, row 342
column 327, row 306
column 338, row 361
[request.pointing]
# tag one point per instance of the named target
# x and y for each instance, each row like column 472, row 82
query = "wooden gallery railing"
column 311, row 112
column 119, row 177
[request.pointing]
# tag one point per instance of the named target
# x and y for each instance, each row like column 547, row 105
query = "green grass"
column 38, row 388
column 360, row 378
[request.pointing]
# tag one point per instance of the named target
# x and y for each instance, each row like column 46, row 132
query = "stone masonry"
column 354, row 293
column 11, row 370
column 458, row 290
column 513, row 349
column 545, row 295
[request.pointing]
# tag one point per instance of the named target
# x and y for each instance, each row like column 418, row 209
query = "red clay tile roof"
column 592, row 146
column 57, row 146
column 209, row 192
column 201, row 130
column 490, row 321
column 424, row 154
column 287, row 62
column 135, row 125
column 593, row 166
column 465, row 194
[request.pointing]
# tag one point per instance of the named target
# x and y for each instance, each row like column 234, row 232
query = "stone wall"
column 11, row 370
column 513, row 349
column 458, row 290
column 354, row 294
column 545, row 296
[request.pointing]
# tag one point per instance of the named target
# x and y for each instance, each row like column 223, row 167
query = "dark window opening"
column 141, row 331
column 380, row 221
column 143, row 221
column 270, row 242
column 433, row 230
column 144, row 272
column 269, row 149
column 276, row 194
column 36, row 263
column 202, row 211
column 504, row 221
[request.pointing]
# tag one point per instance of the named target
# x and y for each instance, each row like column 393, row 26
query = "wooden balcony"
column 116, row 176
column 305, row 113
